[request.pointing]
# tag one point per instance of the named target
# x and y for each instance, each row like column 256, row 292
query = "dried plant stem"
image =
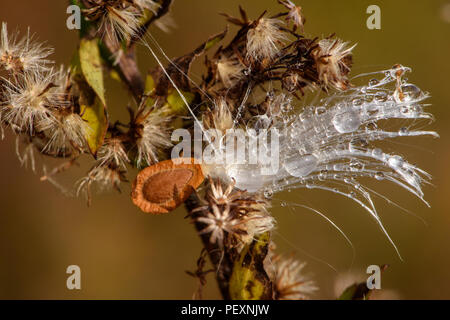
column 219, row 257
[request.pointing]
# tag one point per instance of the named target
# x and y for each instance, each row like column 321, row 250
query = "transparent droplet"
column 373, row 82
column 347, row 122
column 357, row 102
column 323, row 175
column 320, row 110
column 377, row 152
column 395, row 162
column 356, row 166
column 411, row 92
column 301, row 166
column 403, row 131
column 381, row 96
column 268, row 193
column 407, row 92
column 379, row 175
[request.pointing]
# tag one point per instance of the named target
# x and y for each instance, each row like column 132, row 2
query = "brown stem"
column 219, row 258
column 128, row 69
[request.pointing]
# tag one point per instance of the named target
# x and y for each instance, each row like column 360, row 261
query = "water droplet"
column 403, row 131
column 373, row 82
column 377, row 152
column 381, row 96
column 347, row 122
column 268, row 193
column 411, row 92
column 379, row 175
column 356, row 165
column 320, row 110
column 301, row 166
column 323, row 175
column 407, row 92
column 283, row 204
column 395, row 162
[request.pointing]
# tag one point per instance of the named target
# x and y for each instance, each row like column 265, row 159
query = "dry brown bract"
column 164, row 186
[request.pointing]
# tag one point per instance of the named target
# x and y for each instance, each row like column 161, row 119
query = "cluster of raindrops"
column 331, row 146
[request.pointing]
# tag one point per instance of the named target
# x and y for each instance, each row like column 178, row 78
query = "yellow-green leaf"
column 97, row 124
column 91, row 66
column 176, row 103
column 215, row 39
column 249, row 280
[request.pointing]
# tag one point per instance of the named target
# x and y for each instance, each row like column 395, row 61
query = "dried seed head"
column 295, row 14
column 333, row 59
column 152, row 132
column 151, row 5
column 69, row 131
column 264, row 38
column 30, row 102
column 229, row 71
column 290, row 282
column 106, row 177
column 164, row 186
column 232, row 217
column 112, row 152
column 220, row 118
column 25, row 55
column 119, row 20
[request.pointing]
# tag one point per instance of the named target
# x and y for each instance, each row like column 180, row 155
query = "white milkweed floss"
column 329, row 146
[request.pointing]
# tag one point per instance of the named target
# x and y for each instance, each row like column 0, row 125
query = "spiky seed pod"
column 289, row 281
column 24, row 55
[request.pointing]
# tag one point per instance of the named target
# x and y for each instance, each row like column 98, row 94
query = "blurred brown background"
column 125, row 254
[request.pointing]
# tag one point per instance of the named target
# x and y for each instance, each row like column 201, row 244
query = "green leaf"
column 176, row 102
column 214, row 40
column 91, row 66
column 97, row 123
column 249, row 280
